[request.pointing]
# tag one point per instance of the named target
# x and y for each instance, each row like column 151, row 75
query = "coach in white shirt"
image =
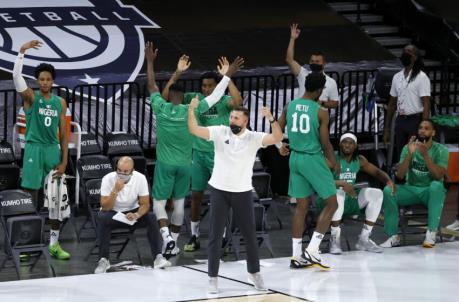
column 329, row 97
column 409, row 98
column 231, row 183
column 126, row 190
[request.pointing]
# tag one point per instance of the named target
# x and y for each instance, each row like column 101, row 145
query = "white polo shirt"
column 234, row 158
column 330, row 92
column 128, row 198
column 409, row 94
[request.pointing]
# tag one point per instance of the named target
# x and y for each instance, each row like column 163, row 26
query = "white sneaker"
column 257, row 281
column 429, row 241
column 175, row 251
column 368, row 245
column 454, row 226
column 213, row 286
column 102, row 266
column 335, row 245
column 315, row 259
column 391, row 242
column 168, row 247
column 161, row 262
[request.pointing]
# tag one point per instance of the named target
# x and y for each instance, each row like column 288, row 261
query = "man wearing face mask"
column 409, row 99
column 126, row 190
column 423, row 163
column 329, row 97
column 231, row 183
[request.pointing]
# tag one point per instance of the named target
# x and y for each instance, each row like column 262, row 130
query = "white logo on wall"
column 87, row 41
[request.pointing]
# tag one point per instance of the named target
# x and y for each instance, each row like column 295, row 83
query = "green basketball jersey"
column 418, row 174
column 42, row 120
column 173, row 140
column 303, row 126
column 349, row 170
column 217, row 115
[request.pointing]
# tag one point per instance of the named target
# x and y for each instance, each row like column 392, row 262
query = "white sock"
column 53, row 237
column 224, row 232
column 313, row 246
column 195, row 228
column 164, row 232
column 175, row 236
column 335, row 231
column 366, row 231
column 296, row 247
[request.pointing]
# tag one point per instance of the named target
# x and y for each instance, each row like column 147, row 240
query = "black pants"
column 105, row 224
column 405, row 127
column 242, row 205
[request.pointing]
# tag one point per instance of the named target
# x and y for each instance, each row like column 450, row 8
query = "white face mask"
column 124, row 177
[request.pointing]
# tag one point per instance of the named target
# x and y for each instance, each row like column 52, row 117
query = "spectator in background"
column 409, row 99
column 423, row 163
column 329, row 97
column 126, row 190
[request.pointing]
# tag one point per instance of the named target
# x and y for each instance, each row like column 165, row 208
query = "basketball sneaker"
column 392, row 241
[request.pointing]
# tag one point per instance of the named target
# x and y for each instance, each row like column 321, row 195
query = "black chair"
column 236, row 240
column 119, row 144
column 261, row 182
column 23, row 229
column 9, row 171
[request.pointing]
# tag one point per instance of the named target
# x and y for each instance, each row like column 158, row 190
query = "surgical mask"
column 316, row 67
column 124, row 177
column 405, row 58
column 235, row 129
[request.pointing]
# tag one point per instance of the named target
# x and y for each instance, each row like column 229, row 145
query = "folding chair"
column 261, row 182
column 23, row 228
column 9, row 171
column 236, row 239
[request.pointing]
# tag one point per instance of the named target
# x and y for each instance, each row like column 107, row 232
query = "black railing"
column 99, row 110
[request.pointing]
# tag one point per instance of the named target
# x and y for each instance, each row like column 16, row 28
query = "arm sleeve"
column 105, row 187
column 18, row 80
column 143, row 186
column 393, row 90
column 215, row 132
column 301, row 78
column 424, row 86
column 218, row 92
column 156, row 101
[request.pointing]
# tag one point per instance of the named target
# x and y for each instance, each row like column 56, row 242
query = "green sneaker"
column 57, row 252
column 192, row 245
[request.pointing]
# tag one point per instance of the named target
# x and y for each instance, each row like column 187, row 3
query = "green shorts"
column 201, row 169
column 309, row 173
column 171, row 181
column 351, row 205
column 38, row 161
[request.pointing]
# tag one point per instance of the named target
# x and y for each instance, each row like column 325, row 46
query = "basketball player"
column 174, row 147
column 352, row 201
column 307, row 126
column 45, row 116
column 203, row 150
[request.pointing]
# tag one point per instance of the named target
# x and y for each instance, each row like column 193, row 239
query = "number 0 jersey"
column 303, row 126
column 42, row 120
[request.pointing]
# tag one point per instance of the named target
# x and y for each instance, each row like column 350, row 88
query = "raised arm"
column 18, row 80
column 437, row 171
column 276, row 134
column 150, row 56
column 236, row 98
column 290, row 56
column 193, row 126
column 182, row 65
column 405, row 158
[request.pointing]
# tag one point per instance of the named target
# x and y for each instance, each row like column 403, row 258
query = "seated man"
column 352, row 201
column 423, row 163
column 126, row 191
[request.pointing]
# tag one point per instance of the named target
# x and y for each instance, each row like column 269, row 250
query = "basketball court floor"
column 409, row 273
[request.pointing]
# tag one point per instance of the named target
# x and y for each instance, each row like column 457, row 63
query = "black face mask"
column 405, row 58
column 315, row 67
column 235, row 129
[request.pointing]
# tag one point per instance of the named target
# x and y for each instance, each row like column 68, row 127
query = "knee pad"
column 179, row 212
column 159, row 208
column 340, row 197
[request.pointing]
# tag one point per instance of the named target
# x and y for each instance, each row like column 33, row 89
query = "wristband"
column 278, row 145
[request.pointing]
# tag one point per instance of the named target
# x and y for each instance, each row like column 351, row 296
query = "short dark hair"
column 314, row 81
column 242, row 109
column 210, row 75
column 45, row 67
column 430, row 122
column 177, row 88
column 318, row 53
